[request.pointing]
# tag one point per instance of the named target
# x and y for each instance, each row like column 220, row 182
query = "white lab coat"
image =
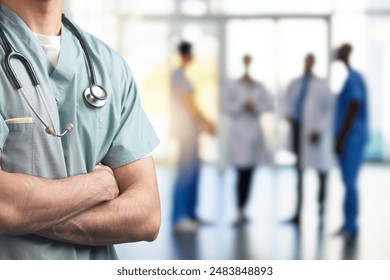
column 317, row 116
column 246, row 144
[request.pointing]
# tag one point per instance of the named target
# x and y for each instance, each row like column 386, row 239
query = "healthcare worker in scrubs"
column 351, row 132
column 187, row 122
column 309, row 109
column 71, row 197
column 244, row 102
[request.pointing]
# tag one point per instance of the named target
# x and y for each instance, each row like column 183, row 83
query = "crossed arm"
column 84, row 209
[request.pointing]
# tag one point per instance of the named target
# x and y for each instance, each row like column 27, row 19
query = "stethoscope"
column 95, row 95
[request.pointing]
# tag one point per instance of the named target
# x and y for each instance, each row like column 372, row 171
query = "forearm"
column 201, row 119
column 124, row 219
column 29, row 204
column 195, row 112
column 133, row 216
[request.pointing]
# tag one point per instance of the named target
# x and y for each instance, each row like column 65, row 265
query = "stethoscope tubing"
column 77, row 34
column 90, row 97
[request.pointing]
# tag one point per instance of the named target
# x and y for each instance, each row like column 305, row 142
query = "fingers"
column 107, row 179
column 104, row 168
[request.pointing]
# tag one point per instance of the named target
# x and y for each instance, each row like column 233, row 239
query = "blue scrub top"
column 116, row 134
column 354, row 89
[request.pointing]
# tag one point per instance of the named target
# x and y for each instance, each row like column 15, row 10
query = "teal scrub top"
column 116, row 134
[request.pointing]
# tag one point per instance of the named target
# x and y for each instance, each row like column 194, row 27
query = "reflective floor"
column 271, row 202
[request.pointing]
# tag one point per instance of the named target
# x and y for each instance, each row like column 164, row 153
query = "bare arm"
column 29, row 204
column 133, row 216
column 199, row 117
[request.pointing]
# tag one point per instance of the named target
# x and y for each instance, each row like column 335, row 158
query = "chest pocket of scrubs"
column 17, row 155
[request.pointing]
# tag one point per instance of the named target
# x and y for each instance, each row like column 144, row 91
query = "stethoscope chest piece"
column 95, row 96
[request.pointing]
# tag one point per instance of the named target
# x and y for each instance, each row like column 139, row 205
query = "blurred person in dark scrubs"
column 351, row 133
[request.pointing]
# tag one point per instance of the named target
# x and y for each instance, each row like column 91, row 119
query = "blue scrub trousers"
column 185, row 196
column 350, row 162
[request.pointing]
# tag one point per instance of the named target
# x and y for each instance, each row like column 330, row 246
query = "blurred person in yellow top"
column 187, row 122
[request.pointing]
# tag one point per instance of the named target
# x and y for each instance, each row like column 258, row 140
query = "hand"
column 248, row 105
column 107, row 179
column 210, row 129
column 314, row 137
column 290, row 120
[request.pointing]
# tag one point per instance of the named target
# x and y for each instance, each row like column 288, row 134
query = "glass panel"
column 269, row 7
column 194, row 7
column 257, row 38
column 351, row 29
column 378, row 4
column 92, row 7
column 350, row 5
column 242, row 7
column 146, row 48
column 377, row 74
column 296, row 38
column 140, row 7
column 106, row 28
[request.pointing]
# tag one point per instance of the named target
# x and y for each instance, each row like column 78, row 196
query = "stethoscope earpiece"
column 51, row 131
column 69, row 127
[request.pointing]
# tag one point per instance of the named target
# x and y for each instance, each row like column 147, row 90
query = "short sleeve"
column 135, row 137
column 3, row 132
column 355, row 88
column 181, row 84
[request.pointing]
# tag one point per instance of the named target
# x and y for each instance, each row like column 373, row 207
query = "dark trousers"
column 243, row 185
column 322, row 176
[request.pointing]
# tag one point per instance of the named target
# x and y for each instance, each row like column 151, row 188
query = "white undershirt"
column 52, row 47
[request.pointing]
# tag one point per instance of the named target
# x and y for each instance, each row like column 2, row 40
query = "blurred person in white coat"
column 244, row 101
column 309, row 109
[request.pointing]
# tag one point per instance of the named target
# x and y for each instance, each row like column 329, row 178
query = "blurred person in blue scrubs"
column 351, row 132
column 244, row 101
column 187, row 122
column 72, row 197
column 309, row 109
